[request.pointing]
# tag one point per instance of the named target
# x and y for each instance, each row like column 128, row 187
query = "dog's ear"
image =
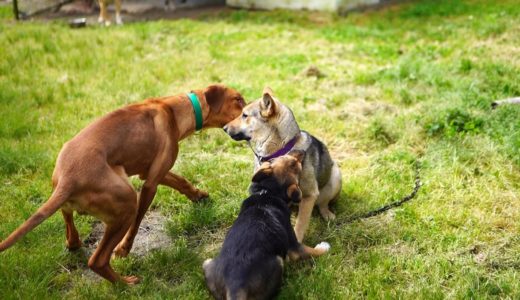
column 215, row 96
column 267, row 105
column 268, row 90
column 298, row 154
column 262, row 173
column 294, row 193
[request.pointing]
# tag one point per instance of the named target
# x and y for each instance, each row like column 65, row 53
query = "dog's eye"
column 244, row 116
column 240, row 101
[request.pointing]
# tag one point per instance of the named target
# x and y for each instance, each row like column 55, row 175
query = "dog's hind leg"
column 329, row 193
column 275, row 273
column 209, row 275
column 119, row 204
column 99, row 262
column 73, row 240
column 103, row 15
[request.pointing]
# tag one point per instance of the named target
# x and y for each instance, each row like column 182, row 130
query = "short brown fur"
column 92, row 169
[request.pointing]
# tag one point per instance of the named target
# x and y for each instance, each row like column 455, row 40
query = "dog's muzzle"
column 238, row 136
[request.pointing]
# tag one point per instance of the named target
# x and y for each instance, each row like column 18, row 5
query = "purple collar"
column 284, row 150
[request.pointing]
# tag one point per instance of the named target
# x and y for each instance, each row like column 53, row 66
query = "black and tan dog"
column 250, row 263
column 92, row 169
column 271, row 130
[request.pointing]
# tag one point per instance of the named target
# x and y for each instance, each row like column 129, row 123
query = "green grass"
column 413, row 80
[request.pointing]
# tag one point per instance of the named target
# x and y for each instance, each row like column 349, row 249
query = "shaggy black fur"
column 250, row 263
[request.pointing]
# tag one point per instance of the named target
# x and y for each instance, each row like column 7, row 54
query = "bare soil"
column 151, row 236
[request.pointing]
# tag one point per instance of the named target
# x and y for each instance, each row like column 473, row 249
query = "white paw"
column 207, row 262
column 119, row 20
column 324, row 246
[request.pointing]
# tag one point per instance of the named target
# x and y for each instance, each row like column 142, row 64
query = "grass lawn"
column 410, row 81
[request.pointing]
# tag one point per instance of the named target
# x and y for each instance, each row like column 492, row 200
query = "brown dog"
column 92, row 169
column 103, row 12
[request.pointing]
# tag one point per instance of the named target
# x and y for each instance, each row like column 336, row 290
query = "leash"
column 391, row 205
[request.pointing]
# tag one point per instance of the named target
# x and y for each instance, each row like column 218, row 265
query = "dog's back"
column 318, row 156
column 249, row 264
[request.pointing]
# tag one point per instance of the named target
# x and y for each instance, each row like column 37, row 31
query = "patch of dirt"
column 313, row 71
column 400, row 248
column 319, row 106
column 151, row 236
column 362, row 109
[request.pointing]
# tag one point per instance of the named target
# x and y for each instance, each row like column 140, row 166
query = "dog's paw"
column 119, row 20
column 207, row 263
column 323, row 246
column 327, row 214
column 130, row 280
column 199, row 195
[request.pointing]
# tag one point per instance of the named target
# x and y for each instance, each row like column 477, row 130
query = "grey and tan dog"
column 272, row 131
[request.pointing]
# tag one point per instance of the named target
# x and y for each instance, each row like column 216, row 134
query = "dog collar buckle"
column 197, row 110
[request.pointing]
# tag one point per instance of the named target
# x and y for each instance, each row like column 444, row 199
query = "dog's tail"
column 515, row 100
column 59, row 196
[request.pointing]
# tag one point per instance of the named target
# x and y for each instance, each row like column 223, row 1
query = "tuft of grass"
column 412, row 81
column 6, row 12
column 455, row 122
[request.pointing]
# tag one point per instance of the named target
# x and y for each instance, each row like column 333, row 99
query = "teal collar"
column 196, row 109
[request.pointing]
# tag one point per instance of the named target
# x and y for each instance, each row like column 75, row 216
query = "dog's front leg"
column 304, row 216
column 183, row 186
column 145, row 199
column 119, row 21
column 298, row 251
column 305, row 252
column 159, row 168
column 103, row 15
